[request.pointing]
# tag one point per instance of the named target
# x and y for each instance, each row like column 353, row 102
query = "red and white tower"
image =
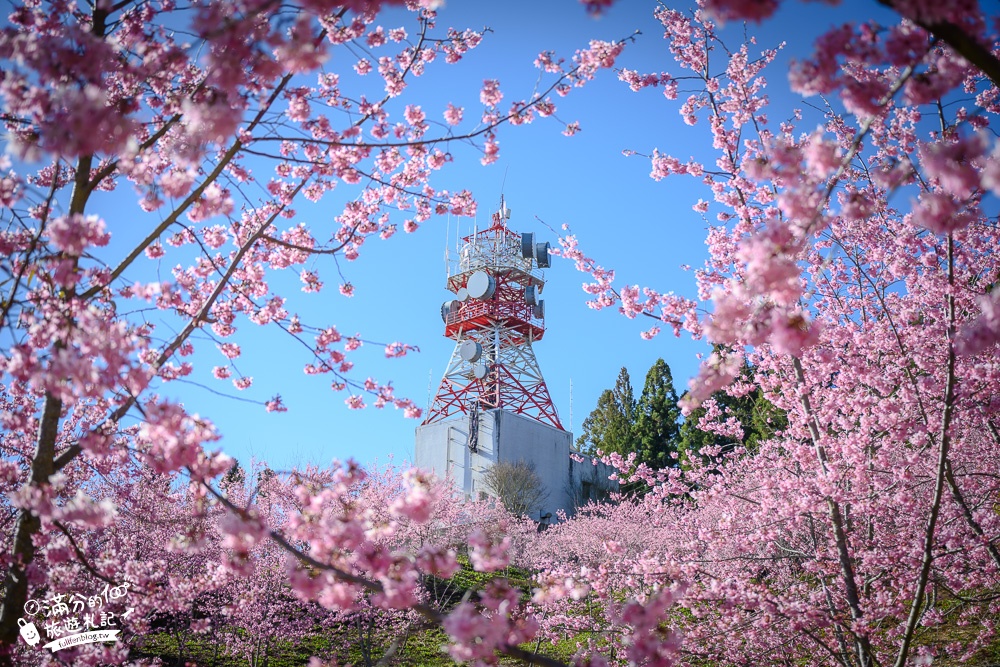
column 492, row 405
column 494, row 318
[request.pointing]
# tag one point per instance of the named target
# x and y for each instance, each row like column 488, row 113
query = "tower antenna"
column 495, row 316
column 447, row 240
column 571, row 405
column 430, row 385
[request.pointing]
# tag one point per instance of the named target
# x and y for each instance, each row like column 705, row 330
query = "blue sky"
column 644, row 229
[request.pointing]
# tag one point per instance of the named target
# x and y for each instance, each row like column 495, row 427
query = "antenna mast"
column 494, row 318
column 571, row 405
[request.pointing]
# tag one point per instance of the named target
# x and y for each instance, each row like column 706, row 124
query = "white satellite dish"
column 481, row 285
column 470, row 351
column 462, row 294
column 480, row 371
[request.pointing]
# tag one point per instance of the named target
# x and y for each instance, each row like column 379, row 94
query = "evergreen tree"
column 609, row 427
column 625, row 400
column 656, row 430
column 652, row 426
column 596, row 425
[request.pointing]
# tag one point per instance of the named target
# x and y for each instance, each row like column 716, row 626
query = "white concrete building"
column 459, row 449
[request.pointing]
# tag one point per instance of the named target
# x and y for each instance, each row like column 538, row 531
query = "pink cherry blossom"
column 490, row 94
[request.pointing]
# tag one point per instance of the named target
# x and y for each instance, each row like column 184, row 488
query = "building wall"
column 504, row 436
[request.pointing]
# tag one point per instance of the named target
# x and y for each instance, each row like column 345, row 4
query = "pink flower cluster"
column 73, row 234
column 490, row 94
column 173, row 440
column 477, row 632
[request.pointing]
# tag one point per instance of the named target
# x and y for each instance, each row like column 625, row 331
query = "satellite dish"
column 530, row 297
column 462, row 294
column 449, row 308
column 480, row 371
column 470, row 351
column 539, row 309
column 481, row 285
column 527, row 244
column 542, row 254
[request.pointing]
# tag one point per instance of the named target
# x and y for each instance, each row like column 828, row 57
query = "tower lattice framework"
column 494, row 318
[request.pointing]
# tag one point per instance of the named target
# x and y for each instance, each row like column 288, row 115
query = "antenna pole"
column 430, row 385
column 571, row 405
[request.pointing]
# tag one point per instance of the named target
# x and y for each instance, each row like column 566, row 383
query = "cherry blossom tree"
column 365, row 545
column 852, row 264
column 221, row 117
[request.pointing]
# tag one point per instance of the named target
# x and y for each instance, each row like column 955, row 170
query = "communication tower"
column 492, row 405
column 495, row 316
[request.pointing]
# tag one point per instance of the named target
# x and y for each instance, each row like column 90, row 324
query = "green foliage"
column 467, row 579
column 210, row 652
column 609, row 427
column 656, row 431
column 234, row 477
column 426, row 647
column 565, row 649
column 649, row 427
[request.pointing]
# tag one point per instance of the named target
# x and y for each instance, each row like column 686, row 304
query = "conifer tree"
column 609, row 427
column 656, row 430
